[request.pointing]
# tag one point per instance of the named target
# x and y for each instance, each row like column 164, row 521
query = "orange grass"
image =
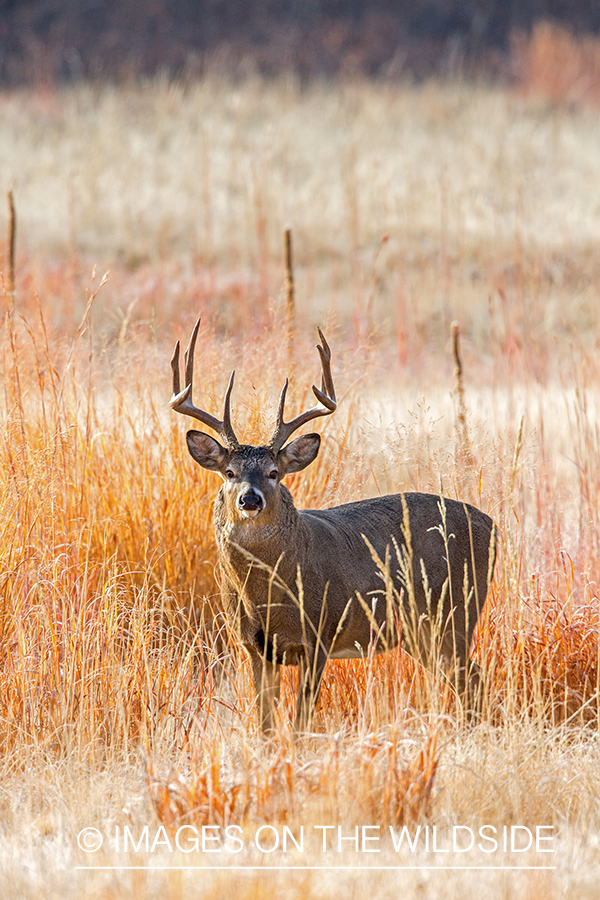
column 554, row 64
column 108, row 560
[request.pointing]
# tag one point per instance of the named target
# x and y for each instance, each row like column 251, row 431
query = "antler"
column 181, row 401
column 325, row 396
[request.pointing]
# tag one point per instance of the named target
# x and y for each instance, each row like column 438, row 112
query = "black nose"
column 251, row 500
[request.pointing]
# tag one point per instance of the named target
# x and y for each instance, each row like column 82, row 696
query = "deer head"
column 251, row 474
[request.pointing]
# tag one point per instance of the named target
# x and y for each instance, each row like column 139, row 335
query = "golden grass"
column 116, row 707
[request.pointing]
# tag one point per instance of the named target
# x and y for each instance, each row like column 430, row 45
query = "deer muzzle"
column 251, row 502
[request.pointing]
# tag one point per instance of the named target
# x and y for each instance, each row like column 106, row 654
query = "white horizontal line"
column 209, row 868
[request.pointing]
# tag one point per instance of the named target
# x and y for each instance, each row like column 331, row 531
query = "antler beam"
column 181, row 401
column 325, row 396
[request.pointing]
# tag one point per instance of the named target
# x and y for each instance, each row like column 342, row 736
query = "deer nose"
column 251, row 501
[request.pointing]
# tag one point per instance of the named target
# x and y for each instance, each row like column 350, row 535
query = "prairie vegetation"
column 411, row 207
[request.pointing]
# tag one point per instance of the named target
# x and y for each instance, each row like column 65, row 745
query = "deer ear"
column 207, row 452
column 298, row 454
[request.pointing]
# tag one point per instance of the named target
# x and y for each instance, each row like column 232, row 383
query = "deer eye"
column 229, row 473
column 273, row 474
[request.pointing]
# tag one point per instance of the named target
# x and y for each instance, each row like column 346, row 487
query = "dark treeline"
column 58, row 40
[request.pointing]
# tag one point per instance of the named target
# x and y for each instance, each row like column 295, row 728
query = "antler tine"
column 175, row 370
column 281, row 405
column 228, row 432
column 327, row 393
column 325, row 396
column 189, row 355
column 181, row 401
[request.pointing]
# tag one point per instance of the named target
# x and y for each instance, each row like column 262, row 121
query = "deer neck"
column 266, row 540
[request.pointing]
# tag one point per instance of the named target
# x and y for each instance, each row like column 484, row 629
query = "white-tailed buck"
column 305, row 586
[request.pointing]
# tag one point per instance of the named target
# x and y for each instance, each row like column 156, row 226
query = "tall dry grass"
column 117, row 707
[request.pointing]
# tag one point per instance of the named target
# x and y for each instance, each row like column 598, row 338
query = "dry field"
column 411, row 207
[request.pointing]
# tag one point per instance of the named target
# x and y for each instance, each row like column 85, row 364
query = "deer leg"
column 466, row 675
column 267, row 682
column 311, row 666
column 468, row 683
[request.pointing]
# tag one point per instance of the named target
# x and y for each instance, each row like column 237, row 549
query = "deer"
column 304, row 586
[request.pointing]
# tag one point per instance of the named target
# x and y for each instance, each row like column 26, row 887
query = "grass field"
column 411, row 207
